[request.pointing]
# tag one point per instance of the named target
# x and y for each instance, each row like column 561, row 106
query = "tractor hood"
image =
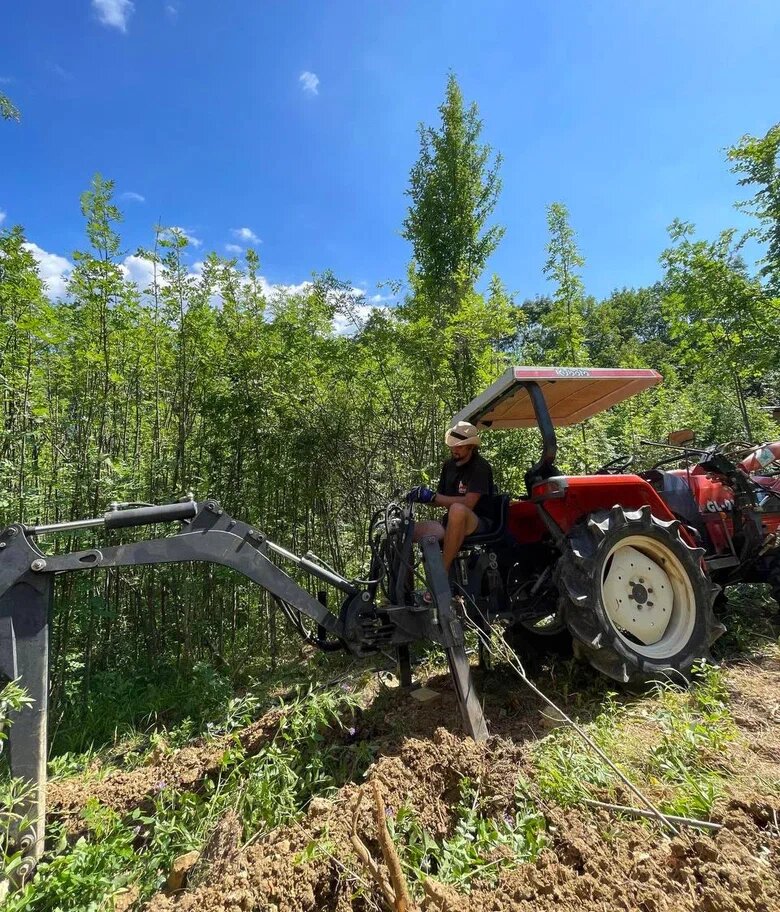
column 571, row 394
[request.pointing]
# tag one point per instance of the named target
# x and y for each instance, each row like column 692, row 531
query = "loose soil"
column 594, row 860
column 180, row 769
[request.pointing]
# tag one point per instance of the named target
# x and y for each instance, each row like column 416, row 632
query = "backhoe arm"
column 26, row 587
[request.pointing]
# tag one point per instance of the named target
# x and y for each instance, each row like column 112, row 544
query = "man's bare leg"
column 429, row 527
column 460, row 522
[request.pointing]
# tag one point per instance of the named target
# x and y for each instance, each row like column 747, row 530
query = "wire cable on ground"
column 505, row 652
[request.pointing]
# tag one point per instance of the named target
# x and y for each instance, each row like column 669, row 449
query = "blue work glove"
column 420, row 494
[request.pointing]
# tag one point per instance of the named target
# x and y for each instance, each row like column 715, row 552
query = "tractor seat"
column 499, row 515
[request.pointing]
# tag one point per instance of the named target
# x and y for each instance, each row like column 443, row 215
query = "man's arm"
column 469, row 500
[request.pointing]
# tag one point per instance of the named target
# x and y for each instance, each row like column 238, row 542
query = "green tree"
column 758, row 159
column 450, row 330
column 717, row 313
column 628, row 329
column 8, row 110
column 453, row 187
column 566, row 318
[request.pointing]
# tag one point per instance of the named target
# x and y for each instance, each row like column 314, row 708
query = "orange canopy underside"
column 571, row 393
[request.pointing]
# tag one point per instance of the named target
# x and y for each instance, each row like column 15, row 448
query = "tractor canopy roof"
column 571, row 394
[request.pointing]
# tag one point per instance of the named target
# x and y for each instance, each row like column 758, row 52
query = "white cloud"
column 2, row 216
column 234, row 248
column 272, row 292
column 310, row 82
column 346, row 324
column 52, row 268
column 141, row 271
column 171, row 10
column 246, row 235
column 114, row 13
column 132, row 197
column 353, row 306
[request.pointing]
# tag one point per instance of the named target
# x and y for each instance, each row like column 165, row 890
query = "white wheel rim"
column 648, row 597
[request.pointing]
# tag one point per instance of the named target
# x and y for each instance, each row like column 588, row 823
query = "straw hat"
column 462, row 434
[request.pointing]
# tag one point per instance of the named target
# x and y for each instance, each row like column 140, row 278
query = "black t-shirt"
column 475, row 477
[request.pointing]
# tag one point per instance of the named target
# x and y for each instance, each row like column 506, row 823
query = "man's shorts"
column 483, row 526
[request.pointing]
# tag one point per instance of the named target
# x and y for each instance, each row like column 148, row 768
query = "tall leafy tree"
column 566, row 318
column 758, row 160
column 451, row 329
column 717, row 313
column 453, row 188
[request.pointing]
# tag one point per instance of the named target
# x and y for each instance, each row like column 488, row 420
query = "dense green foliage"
column 480, row 845
column 206, row 381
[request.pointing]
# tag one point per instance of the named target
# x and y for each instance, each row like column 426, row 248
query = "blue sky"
column 297, row 121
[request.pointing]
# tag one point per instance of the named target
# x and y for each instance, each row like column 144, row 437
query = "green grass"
column 480, row 846
column 688, row 731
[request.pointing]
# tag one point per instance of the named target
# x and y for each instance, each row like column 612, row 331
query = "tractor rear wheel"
column 638, row 601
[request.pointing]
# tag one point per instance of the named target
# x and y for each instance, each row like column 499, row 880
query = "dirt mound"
column 593, row 860
column 182, row 770
column 311, row 864
column 587, row 867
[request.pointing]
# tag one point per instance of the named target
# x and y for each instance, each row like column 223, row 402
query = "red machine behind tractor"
column 625, row 567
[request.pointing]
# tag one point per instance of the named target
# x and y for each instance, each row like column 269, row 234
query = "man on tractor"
column 465, row 489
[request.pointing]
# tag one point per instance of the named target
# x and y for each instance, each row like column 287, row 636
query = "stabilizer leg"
column 404, row 665
column 24, row 611
column 468, row 700
column 454, row 642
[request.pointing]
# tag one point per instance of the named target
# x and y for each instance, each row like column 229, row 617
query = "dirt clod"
column 180, row 869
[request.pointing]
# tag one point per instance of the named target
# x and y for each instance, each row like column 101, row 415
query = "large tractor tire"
column 638, row 601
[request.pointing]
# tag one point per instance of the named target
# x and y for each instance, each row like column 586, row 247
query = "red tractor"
column 627, row 565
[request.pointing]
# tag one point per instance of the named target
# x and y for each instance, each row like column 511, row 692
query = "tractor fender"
column 586, row 494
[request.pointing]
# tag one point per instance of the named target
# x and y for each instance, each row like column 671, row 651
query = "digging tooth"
column 598, row 530
column 617, row 516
